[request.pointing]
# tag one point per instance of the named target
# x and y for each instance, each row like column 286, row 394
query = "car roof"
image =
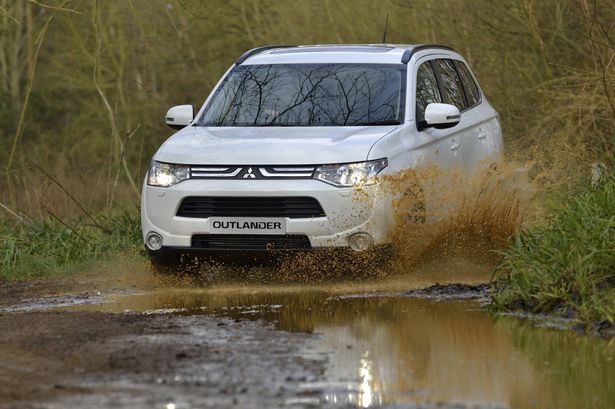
column 335, row 53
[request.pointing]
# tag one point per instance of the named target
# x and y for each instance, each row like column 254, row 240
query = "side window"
column 451, row 83
column 427, row 90
column 472, row 92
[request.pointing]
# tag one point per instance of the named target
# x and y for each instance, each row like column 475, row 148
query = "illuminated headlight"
column 167, row 174
column 351, row 174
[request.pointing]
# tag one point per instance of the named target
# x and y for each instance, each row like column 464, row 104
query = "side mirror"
column 180, row 116
column 442, row 116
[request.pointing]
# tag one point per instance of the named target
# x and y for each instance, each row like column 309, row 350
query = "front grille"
column 291, row 207
column 250, row 242
column 249, row 172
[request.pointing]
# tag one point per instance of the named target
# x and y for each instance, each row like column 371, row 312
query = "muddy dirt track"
column 131, row 341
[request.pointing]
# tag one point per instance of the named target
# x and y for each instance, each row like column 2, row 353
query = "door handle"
column 455, row 147
column 482, row 135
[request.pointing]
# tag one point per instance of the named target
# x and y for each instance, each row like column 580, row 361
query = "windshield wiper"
column 380, row 122
column 291, row 124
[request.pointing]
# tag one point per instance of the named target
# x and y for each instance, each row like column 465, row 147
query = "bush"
column 567, row 264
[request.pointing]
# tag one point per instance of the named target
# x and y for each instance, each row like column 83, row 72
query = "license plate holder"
column 247, row 225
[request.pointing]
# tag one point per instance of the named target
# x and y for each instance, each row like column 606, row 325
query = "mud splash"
column 436, row 217
column 453, row 214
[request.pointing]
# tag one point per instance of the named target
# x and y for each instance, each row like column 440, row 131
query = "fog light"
column 153, row 241
column 360, row 241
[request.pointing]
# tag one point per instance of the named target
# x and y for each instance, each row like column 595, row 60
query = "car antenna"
column 386, row 26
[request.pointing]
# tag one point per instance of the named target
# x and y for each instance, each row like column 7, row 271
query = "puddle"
column 386, row 347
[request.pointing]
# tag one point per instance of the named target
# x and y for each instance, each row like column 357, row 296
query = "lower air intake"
column 250, row 242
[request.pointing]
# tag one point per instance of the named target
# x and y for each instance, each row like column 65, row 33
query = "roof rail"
column 257, row 50
column 409, row 52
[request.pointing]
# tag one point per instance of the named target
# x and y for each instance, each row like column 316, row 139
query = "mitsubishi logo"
column 249, row 175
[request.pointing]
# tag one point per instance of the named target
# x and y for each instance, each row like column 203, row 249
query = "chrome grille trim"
column 197, row 169
column 310, row 169
column 278, row 174
column 210, row 172
column 255, row 171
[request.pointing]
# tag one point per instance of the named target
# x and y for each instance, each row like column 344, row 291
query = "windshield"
column 309, row 95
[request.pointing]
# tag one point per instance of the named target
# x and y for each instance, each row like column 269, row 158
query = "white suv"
column 271, row 159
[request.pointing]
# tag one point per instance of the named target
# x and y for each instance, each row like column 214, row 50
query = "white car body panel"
column 270, row 145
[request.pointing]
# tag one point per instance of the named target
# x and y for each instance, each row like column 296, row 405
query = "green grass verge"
column 566, row 265
column 35, row 249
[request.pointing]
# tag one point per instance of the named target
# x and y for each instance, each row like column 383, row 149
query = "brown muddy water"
column 381, row 345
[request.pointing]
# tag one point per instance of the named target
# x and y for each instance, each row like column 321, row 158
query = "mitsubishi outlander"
column 271, row 159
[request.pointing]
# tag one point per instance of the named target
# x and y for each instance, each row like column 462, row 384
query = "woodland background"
column 84, row 84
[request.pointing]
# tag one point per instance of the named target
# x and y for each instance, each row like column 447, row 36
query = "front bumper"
column 347, row 211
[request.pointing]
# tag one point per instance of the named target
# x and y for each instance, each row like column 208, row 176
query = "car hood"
column 270, row 145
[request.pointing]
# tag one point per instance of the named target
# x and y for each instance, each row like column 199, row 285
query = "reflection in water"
column 581, row 370
column 421, row 351
column 365, row 388
column 390, row 348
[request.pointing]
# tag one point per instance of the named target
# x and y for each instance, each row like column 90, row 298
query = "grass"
column 35, row 249
column 565, row 265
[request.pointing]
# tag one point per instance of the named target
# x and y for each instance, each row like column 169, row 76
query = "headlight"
column 351, row 174
column 167, row 174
